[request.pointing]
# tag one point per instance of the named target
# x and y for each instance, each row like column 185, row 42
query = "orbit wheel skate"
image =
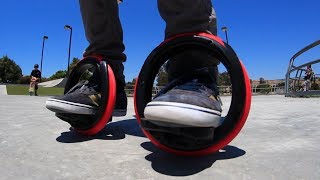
column 92, row 124
column 189, row 140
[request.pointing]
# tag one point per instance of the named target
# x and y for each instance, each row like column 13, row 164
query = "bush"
column 315, row 86
column 264, row 88
column 44, row 79
column 24, row 80
column 59, row 74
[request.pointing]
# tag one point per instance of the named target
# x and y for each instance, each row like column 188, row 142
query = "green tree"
column 224, row 79
column 59, row 74
column 162, row 76
column 315, row 86
column 63, row 73
column 9, row 70
column 25, row 80
column 132, row 83
column 130, row 86
column 73, row 64
column 264, row 88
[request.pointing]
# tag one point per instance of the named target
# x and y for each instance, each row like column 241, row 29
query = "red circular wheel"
column 108, row 93
column 241, row 94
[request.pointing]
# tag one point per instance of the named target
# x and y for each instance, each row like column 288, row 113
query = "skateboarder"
column 35, row 79
column 308, row 78
column 104, row 33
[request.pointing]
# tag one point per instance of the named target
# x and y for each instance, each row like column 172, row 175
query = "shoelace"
column 197, row 86
column 88, row 88
column 193, row 86
column 76, row 87
column 84, row 87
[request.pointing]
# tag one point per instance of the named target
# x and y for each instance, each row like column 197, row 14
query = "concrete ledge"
column 3, row 90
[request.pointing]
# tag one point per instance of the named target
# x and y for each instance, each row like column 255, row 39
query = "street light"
column 43, row 39
column 225, row 29
column 67, row 27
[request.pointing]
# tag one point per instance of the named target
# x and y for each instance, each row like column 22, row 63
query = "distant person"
column 308, row 78
column 35, row 79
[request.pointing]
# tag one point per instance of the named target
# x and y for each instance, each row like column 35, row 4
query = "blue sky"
column 265, row 34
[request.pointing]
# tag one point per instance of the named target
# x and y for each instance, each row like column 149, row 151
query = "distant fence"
column 225, row 90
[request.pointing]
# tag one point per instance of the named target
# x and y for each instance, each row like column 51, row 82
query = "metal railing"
column 293, row 84
column 223, row 90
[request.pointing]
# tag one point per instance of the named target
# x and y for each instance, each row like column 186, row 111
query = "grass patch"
column 42, row 91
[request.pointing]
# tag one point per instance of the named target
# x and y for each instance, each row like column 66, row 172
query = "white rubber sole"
column 69, row 107
column 184, row 114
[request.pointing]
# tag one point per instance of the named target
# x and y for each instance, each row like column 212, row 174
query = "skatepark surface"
column 280, row 140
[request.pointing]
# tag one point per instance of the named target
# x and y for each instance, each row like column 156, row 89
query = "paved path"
column 281, row 140
column 3, row 90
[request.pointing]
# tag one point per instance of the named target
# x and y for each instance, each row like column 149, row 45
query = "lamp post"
column 68, row 27
column 43, row 40
column 225, row 30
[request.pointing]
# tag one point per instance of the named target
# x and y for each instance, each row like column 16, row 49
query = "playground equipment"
column 295, row 75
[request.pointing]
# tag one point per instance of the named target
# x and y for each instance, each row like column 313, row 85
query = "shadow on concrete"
column 112, row 131
column 173, row 165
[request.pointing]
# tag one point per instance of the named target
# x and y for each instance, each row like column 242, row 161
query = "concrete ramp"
column 3, row 90
column 54, row 83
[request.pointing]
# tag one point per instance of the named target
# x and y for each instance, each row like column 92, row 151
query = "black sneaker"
column 83, row 98
column 192, row 104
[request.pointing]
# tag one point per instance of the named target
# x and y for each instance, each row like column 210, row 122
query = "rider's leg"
column 104, row 33
column 36, row 87
column 195, row 102
column 182, row 16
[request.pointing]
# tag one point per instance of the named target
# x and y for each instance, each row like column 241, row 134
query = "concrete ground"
column 280, row 140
